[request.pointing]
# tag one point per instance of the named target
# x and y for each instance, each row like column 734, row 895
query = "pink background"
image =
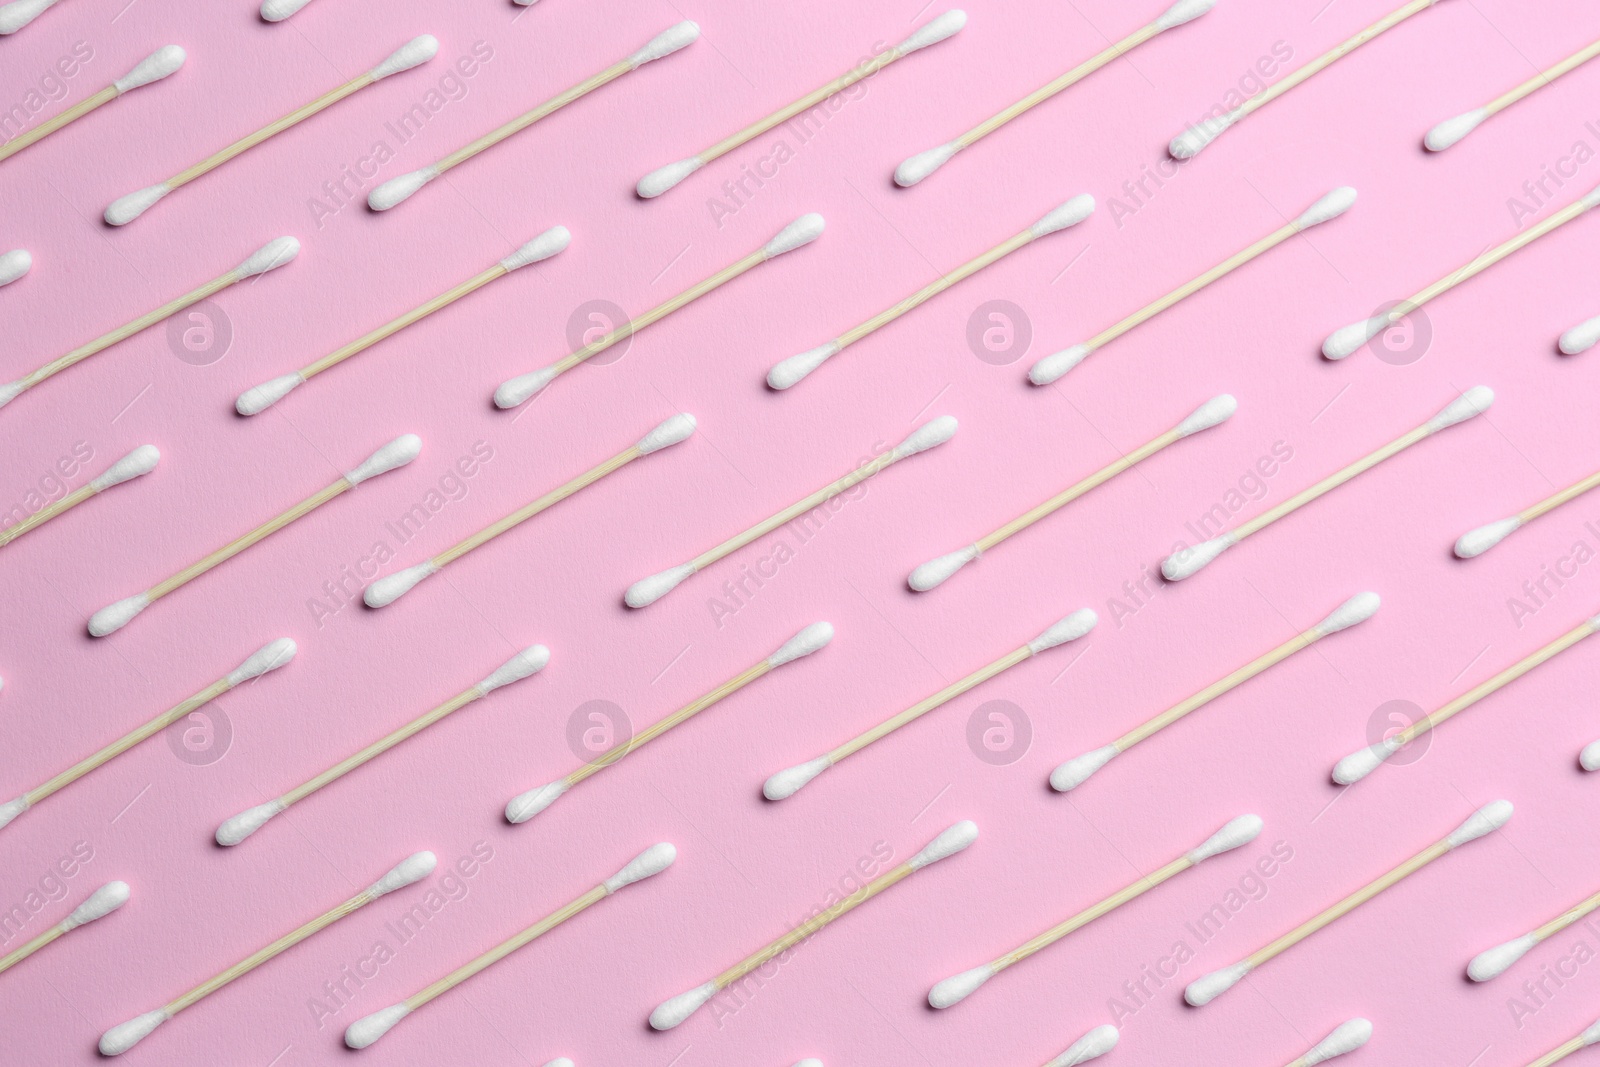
column 747, row 869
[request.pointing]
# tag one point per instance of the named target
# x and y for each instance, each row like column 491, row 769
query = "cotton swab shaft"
column 1328, row 207
column 1190, row 142
column 1478, row 541
column 105, row 900
column 528, row 662
column 158, row 65
column 1347, row 1038
column 271, row 255
column 140, row 461
column 526, row 805
column 1358, row 765
column 930, row 435
column 1589, row 1037
column 647, row 864
column 786, row 783
column 674, row 1011
column 396, row 453
column 1493, row 962
column 119, row 1039
column 1484, row 821
column 789, row 371
column 268, row 658
column 1452, row 130
column 542, row 247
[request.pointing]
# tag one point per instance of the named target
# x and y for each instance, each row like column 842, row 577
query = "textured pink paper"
column 747, row 869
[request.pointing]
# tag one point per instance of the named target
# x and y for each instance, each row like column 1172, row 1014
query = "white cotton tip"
column 157, row 65
column 15, row 264
column 938, row 571
column 529, row 661
column 413, row 53
column 1363, row 762
column 122, row 1037
column 562, row 1061
column 275, row 253
column 102, row 902
column 1091, row 1046
column 278, row 10
column 366, row 1030
column 930, row 434
column 1347, row 1037
column 113, row 617
column 414, row 868
column 959, row 987
column 541, row 247
column 1477, row 542
column 1184, row 11
column 1491, row 963
column 522, row 388
column 1347, row 340
column 1450, row 131
column 672, row 431
column 1486, row 820
column 396, row 453
column 1473, row 402
column 16, row 15
column 1329, row 207
column 652, row 861
column 1591, row 1035
column 388, row 589
column 1071, row 628
column 1357, row 609
column 9, row 392
column 647, row 591
column 1185, row 562
column 946, row 25
column 661, row 179
column 809, row 1063
column 1589, row 758
column 807, row 641
column 125, row 209
column 247, row 822
column 1204, row 990
column 11, row 809
column 525, row 806
column 947, row 844
column 135, row 464
column 1192, row 141
column 1056, row 364
column 1071, row 213
column 396, row 190
column 1580, row 338
column 1074, row 772
column 256, row 399
column 913, row 169
column 1213, row 412
column 665, row 43
column 1238, row 832
column 787, row 783
column 675, row 1011
column 791, row 370
column 802, row 231
column 269, row 657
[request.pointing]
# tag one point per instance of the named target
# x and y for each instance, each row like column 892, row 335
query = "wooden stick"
column 105, row 900
column 1484, row 821
column 414, row 52
column 257, row 399
column 930, row 435
column 271, row 255
column 396, row 453
column 787, row 372
column 787, row 782
column 1452, row 130
column 674, row 1011
column 1582, row 1041
column 140, row 461
column 1186, row 561
column 800, row 232
column 529, row 661
column 526, row 805
column 268, row 658
column 1189, row 143
column 650, row 862
column 1238, row 832
column 663, row 178
column 1330, row 206
column 154, row 67
column 1493, row 962
column 121, row 1038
